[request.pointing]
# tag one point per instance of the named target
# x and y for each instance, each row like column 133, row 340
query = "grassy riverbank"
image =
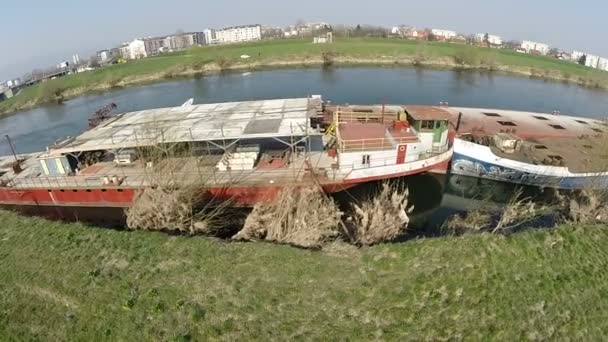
column 298, row 53
column 67, row 281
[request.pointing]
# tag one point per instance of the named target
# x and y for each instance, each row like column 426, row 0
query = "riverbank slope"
column 302, row 53
column 67, row 281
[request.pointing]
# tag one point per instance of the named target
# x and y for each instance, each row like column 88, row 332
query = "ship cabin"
column 386, row 135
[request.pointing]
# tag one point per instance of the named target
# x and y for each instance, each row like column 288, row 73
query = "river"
column 35, row 129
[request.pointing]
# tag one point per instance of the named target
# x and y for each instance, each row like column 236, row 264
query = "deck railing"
column 375, row 144
column 389, row 161
column 342, row 116
column 203, row 177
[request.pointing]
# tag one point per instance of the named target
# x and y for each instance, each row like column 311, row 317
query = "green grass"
column 268, row 53
column 67, row 281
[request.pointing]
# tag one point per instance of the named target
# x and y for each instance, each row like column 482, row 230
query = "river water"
column 35, row 129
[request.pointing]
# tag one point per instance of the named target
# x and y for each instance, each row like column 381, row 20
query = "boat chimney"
column 458, row 122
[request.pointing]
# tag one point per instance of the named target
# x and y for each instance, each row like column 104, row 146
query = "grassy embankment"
column 66, row 281
column 295, row 53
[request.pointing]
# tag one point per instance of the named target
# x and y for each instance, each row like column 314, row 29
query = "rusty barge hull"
column 557, row 151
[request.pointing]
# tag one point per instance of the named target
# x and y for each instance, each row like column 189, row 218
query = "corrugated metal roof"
column 427, row 113
column 204, row 122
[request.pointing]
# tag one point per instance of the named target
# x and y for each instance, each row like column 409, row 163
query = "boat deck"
column 478, row 121
column 553, row 140
column 185, row 171
column 578, row 155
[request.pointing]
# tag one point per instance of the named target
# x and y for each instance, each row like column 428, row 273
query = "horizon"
column 100, row 26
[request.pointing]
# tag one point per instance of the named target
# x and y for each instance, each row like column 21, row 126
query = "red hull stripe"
column 122, row 198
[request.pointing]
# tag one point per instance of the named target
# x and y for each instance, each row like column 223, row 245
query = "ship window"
column 491, row 114
column 581, row 121
column 74, row 190
column 541, row 118
column 557, row 126
column 427, row 124
column 588, row 146
column 62, row 190
column 88, row 190
column 507, row 123
column 597, row 130
column 540, row 147
column 103, row 190
column 365, row 159
column 119, row 190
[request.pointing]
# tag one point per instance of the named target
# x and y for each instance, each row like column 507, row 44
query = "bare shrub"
column 515, row 213
column 584, row 207
column 380, row 218
column 174, row 196
column 115, row 80
column 328, row 58
column 489, row 60
column 53, row 91
column 223, row 63
column 182, row 210
column 305, row 217
column 421, row 55
column 467, row 56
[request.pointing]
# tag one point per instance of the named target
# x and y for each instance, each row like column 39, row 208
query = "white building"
column 602, row 64
column 443, row 34
column 492, row 39
column 137, row 49
column 133, row 50
column 239, row 34
column 576, row 55
column 592, row 61
column 104, row 56
column 529, row 47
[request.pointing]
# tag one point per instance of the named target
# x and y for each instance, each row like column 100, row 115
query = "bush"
column 515, row 213
column 328, row 58
column 304, row 217
column 381, row 218
column 467, row 56
column 52, row 91
column 224, row 63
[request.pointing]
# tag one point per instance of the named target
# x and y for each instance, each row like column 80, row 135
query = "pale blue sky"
column 41, row 33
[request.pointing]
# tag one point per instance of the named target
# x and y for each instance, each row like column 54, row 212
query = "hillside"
column 297, row 53
column 67, row 281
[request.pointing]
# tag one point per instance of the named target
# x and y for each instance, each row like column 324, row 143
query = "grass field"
column 67, row 281
column 293, row 53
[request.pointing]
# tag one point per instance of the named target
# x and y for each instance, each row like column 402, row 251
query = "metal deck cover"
column 204, row 122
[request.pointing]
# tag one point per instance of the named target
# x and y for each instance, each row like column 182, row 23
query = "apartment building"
column 529, row 47
column 492, row 39
column 237, row 34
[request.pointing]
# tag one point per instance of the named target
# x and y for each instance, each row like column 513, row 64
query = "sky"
column 42, row 33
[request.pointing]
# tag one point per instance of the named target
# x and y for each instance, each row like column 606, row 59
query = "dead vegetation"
column 182, row 210
column 517, row 212
column 380, row 218
column 583, row 207
column 304, row 217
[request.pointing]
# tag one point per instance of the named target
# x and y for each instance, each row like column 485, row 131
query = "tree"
column 582, row 60
column 431, row 37
column 486, row 38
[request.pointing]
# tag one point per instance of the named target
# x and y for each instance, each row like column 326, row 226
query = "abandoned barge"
column 545, row 150
column 244, row 152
